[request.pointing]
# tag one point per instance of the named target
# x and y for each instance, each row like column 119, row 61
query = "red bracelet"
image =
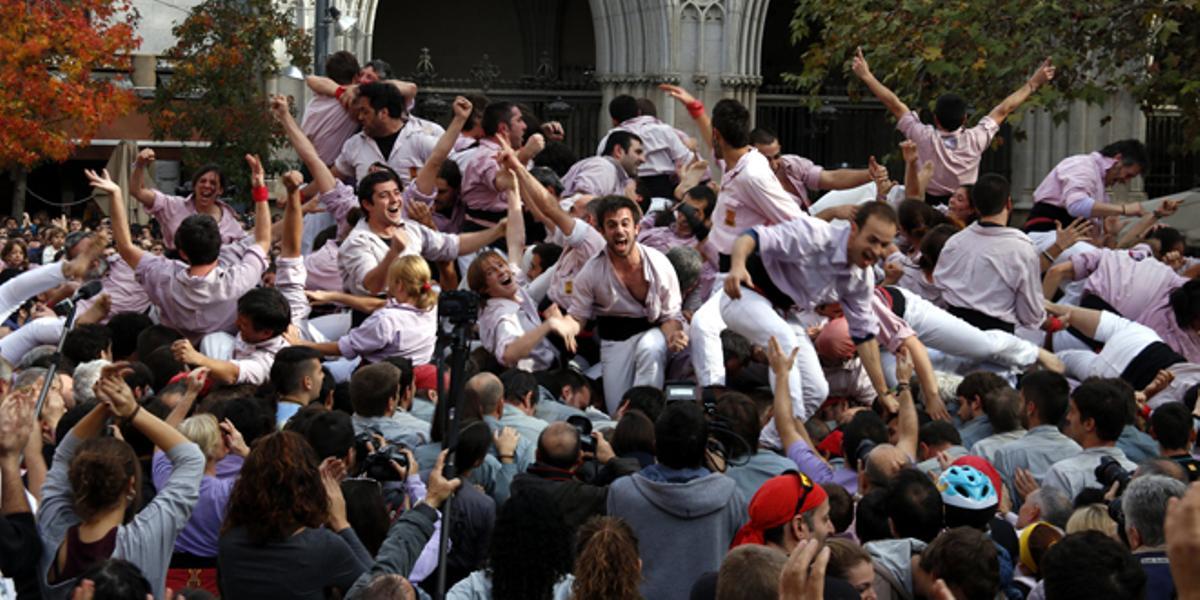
column 341, row 90
column 695, row 108
column 260, row 193
column 1054, row 324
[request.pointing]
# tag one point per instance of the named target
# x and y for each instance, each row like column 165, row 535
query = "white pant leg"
column 342, row 368
column 617, row 370
column 1065, row 340
column 330, row 327
column 38, row 332
column 15, row 291
column 704, row 337
column 1082, row 364
column 753, row 316
column 218, row 345
column 939, row 329
column 650, row 358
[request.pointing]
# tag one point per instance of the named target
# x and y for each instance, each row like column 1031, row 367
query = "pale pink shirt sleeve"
column 479, row 181
column 435, row 245
column 499, row 325
column 255, row 368
column 338, row 202
column 803, row 174
column 169, row 211
column 892, row 329
column 328, row 125
column 582, row 297
column 1085, row 263
column 321, row 268
column 596, row 176
column 1031, row 302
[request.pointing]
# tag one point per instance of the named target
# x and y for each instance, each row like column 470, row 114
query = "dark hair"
column 936, row 433
column 366, row 186
column 139, row 376
column 1133, row 152
column 367, row 512
column 1103, row 402
column 735, row 346
column 494, row 115
column 967, row 560
column 916, row 217
column 1089, row 564
column 634, row 433
column 381, row 68
column 330, row 433
column 646, row 107
column 452, row 174
column 556, row 156
column 383, row 96
column 548, row 178
column 1049, row 392
column 681, row 435
column 950, row 110
column 619, row 138
column 1185, row 303
column 289, row 369
column 841, row 506
column 761, row 136
column 117, row 579
column 611, row 204
column 267, row 310
column 864, row 425
column 1172, row 423
column 914, row 505
column 978, row 384
column 99, row 474
column 126, row 328
column 153, row 338
column 199, row 239
column 474, row 440
column 548, row 253
column 705, row 194
column 1168, row 238
column 622, row 108
column 646, row 398
column 731, row 119
column 405, row 365
column 871, row 516
column 530, row 547
column 991, row 194
column 931, row 245
column 1003, row 408
column 741, row 415
column 86, row 342
column 248, row 415
column 163, row 365
column 518, row 384
column 205, row 170
column 880, row 210
column 341, row 67
column 372, row 387
column 279, row 490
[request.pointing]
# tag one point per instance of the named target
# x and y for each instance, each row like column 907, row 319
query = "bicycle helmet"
column 967, row 487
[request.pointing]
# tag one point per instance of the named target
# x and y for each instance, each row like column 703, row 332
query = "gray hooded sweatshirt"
column 683, row 529
column 893, row 566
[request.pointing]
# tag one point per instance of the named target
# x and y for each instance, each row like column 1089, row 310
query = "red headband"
column 777, row 502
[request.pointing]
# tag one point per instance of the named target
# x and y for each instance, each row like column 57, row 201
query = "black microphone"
column 88, row 290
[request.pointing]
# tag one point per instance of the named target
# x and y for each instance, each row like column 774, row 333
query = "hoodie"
column 893, row 565
column 684, row 523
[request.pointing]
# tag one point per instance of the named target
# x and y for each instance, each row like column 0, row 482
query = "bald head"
column 883, row 463
column 388, row 587
column 558, row 445
column 488, row 390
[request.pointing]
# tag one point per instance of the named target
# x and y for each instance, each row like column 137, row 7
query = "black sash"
column 762, row 280
column 981, row 320
column 1152, row 359
column 895, row 299
column 619, row 329
column 1043, row 216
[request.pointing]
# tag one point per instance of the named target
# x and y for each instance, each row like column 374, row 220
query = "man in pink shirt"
column 207, row 186
column 326, row 122
column 633, row 294
column 798, row 175
column 612, row 173
column 389, row 135
column 989, row 274
column 954, row 150
column 262, row 317
column 666, row 148
column 483, row 182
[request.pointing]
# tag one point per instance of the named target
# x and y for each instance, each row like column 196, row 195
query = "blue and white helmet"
column 967, row 487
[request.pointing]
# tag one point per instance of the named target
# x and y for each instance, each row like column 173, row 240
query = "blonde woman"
column 1093, row 517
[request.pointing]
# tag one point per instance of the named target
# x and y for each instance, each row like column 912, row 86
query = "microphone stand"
column 459, row 350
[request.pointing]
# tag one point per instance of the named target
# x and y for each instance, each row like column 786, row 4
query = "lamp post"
column 321, row 36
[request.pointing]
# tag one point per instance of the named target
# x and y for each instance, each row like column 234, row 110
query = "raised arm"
column 1042, row 76
column 366, row 304
column 1054, row 277
column 130, row 253
column 907, row 425
column 322, row 178
column 1139, row 229
column 885, row 95
column 114, row 392
column 694, row 108
column 291, row 237
column 785, row 419
column 427, row 176
column 843, row 179
column 145, row 158
column 262, row 206
column 515, row 233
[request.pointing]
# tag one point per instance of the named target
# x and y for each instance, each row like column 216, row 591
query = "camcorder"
column 377, row 464
column 458, row 306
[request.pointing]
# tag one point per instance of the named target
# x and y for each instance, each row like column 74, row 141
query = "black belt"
column 1043, row 216
column 895, row 298
column 981, row 320
column 619, row 329
column 1093, row 302
column 657, row 186
column 186, row 560
column 762, row 280
column 1152, row 359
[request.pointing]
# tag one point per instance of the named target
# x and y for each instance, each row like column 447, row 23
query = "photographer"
column 1094, row 420
column 558, row 471
column 381, row 394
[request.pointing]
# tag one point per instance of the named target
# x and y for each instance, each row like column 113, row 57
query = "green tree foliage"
column 217, row 92
column 984, row 50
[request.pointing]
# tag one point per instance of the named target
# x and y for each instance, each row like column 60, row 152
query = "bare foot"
column 97, row 311
column 1050, row 362
column 77, row 267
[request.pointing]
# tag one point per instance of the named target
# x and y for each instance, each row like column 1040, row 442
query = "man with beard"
column 483, row 182
column 208, row 184
column 612, row 173
column 633, row 294
column 388, row 135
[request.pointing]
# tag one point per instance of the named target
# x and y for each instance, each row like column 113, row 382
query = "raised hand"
column 908, row 149
column 421, row 213
column 737, row 277
column 780, row 363
column 144, row 157
column 462, row 109
column 102, row 181
column 534, row 145
column 506, row 441
column 803, row 575
column 279, row 107
column 1167, row 208
column 439, row 488
column 859, row 64
column 1043, row 75
column 195, row 381
column 16, row 421
column 1065, row 237
column 292, row 180
column 234, row 442
column 185, row 353
column 553, row 130
column 258, row 177
column 677, row 93
column 1025, row 483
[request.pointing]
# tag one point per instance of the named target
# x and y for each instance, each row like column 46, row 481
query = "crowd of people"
column 699, row 368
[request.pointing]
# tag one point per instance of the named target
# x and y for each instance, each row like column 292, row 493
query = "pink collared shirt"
column 441, row 222
column 394, row 330
column 122, row 288
column 321, row 268
column 578, row 248
column 599, row 292
column 993, row 270
column 328, row 125
column 893, row 330
column 663, row 145
column 750, row 195
column 363, row 249
column 806, row 259
column 338, row 202
column 199, row 305
column 955, row 155
column 254, row 360
column 413, row 146
column 1140, row 290
column 596, row 175
column 1076, row 184
column 503, row 320
column 803, row 174
column 479, row 169
column 170, row 211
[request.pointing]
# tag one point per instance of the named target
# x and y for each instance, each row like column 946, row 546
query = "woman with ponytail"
column 405, row 326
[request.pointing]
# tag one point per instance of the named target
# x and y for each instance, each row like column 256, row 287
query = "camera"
column 583, row 425
column 458, row 306
column 378, row 465
column 1110, row 471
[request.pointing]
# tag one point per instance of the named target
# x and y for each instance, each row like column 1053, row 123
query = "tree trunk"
column 20, row 179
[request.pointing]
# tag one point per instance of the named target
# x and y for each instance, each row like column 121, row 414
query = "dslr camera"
column 583, row 425
column 1109, row 471
column 458, row 306
column 378, row 465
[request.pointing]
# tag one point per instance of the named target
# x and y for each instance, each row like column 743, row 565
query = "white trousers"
column 639, row 360
column 15, row 291
column 43, row 331
column 290, row 275
column 1123, row 340
column 704, row 337
column 943, row 331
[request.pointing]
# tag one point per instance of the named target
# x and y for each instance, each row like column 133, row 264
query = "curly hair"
column 99, row 475
column 530, row 549
column 279, row 490
column 606, row 561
